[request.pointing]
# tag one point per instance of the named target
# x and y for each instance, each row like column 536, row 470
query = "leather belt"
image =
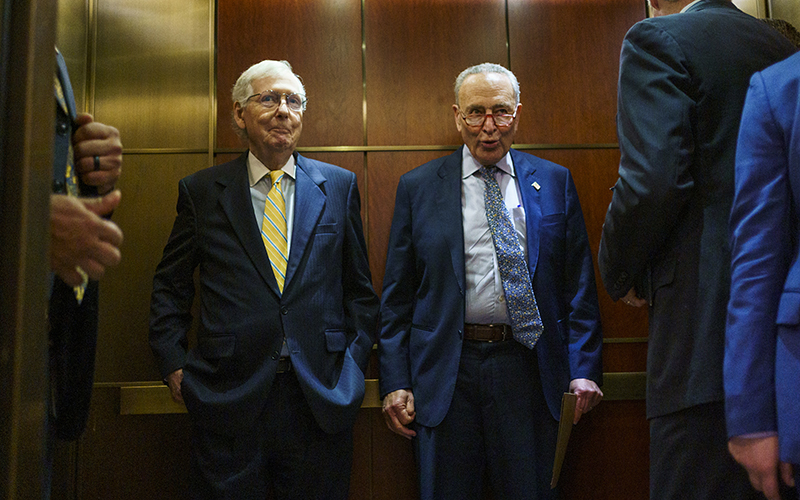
column 284, row 365
column 487, row 333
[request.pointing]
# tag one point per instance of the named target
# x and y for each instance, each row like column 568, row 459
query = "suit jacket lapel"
column 449, row 204
column 309, row 201
column 236, row 203
column 526, row 176
column 66, row 86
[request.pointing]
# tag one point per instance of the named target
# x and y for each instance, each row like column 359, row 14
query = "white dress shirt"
column 485, row 299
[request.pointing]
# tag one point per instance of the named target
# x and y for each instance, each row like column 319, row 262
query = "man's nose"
column 283, row 106
column 489, row 124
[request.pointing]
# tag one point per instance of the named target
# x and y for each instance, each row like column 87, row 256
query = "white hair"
column 488, row 68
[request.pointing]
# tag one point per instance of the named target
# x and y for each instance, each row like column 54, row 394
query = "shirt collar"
column 469, row 165
column 689, row 6
column 256, row 170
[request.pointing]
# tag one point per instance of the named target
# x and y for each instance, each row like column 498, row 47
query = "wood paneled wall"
column 379, row 76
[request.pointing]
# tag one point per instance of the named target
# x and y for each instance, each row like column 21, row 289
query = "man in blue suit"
column 762, row 349
column 287, row 309
column 489, row 306
column 682, row 81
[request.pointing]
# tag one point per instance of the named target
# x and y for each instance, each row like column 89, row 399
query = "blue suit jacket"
column 422, row 305
column 328, row 309
column 682, row 84
column 762, row 354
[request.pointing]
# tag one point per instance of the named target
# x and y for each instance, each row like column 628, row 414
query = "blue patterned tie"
column 526, row 324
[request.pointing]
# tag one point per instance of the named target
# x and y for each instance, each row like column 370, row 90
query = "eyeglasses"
column 476, row 118
column 270, row 99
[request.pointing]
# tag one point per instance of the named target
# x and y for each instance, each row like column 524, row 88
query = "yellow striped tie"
column 273, row 228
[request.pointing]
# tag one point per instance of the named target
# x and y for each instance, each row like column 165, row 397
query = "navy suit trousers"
column 286, row 455
column 498, row 426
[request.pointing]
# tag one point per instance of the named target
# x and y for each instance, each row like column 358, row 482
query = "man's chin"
column 489, row 157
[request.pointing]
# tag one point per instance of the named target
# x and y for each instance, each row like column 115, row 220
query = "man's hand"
column 92, row 139
column 81, row 238
column 174, row 380
column 633, row 300
column 589, row 395
column 398, row 412
column 760, row 457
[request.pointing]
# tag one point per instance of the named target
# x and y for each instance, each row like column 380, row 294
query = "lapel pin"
column 536, row 186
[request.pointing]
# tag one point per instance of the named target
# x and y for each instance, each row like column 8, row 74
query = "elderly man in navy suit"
column 489, row 306
column 287, row 311
column 762, row 352
column 682, row 81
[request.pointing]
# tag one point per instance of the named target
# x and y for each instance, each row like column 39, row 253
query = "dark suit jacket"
column 762, row 354
column 422, row 306
column 72, row 326
column 682, row 84
column 328, row 309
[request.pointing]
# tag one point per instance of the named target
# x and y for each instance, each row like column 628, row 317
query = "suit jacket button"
column 284, row 311
column 276, row 355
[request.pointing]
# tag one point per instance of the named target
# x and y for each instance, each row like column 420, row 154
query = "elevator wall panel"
column 321, row 39
column 149, row 186
column 152, row 72
column 565, row 54
column 414, row 51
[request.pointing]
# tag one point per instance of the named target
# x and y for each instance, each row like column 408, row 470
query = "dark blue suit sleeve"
column 580, row 293
column 173, row 289
column 398, row 298
column 654, row 116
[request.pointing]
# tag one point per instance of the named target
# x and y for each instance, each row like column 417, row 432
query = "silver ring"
column 96, row 163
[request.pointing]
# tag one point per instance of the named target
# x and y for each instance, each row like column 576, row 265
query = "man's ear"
column 237, row 115
column 457, row 115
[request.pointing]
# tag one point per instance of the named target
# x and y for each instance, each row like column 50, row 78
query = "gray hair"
column 488, row 68
column 243, row 88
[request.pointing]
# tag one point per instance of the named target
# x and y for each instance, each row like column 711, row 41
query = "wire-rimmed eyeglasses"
column 271, row 99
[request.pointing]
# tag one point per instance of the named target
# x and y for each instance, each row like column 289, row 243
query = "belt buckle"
column 284, row 365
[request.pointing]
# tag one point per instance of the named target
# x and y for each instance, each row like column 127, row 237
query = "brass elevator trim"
column 212, row 80
column 390, row 149
column 625, row 340
column 153, row 398
column 364, row 166
column 91, row 57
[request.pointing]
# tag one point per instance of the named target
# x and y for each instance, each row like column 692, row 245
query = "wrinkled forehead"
column 283, row 82
column 486, row 90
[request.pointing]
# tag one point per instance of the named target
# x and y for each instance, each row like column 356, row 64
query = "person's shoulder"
column 326, row 169
column 437, row 167
column 787, row 70
column 527, row 161
column 216, row 171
